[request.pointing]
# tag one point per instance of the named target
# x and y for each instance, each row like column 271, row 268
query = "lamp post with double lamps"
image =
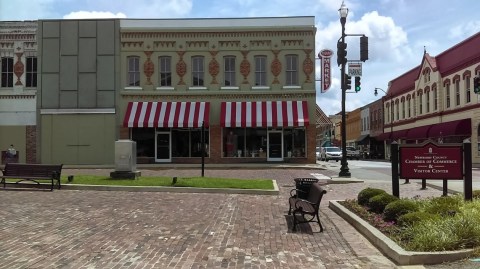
column 391, row 111
column 343, row 11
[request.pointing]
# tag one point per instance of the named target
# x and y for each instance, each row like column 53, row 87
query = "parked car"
column 317, row 152
column 353, row 153
column 331, row 153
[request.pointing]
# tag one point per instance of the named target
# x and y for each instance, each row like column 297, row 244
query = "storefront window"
column 145, row 138
column 234, row 142
column 187, row 143
column 256, row 141
column 252, row 142
column 196, row 143
column 294, row 142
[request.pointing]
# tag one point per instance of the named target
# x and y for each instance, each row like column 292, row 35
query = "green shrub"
column 411, row 218
column 445, row 233
column 398, row 208
column 365, row 195
column 476, row 194
column 378, row 202
column 444, row 206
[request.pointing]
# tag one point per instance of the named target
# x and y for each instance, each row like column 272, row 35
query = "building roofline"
column 253, row 22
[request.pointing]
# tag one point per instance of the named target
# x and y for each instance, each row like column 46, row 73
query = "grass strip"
column 197, row 182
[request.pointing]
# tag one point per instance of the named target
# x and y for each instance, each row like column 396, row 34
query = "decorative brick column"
column 31, row 144
column 124, row 133
column 215, row 144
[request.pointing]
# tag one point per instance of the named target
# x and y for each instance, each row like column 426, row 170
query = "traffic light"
column 357, row 84
column 363, row 48
column 476, row 84
column 348, row 81
column 341, row 53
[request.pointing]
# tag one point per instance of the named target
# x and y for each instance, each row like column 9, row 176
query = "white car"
column 317, row 152
column 331, row 153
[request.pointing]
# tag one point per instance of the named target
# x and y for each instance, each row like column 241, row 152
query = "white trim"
column 165, row 88
column 59, row 111
column 305, row 21
column 260, row 88
column 291, row 87
column 229, row 88
column 133, row 88
column 197, row 88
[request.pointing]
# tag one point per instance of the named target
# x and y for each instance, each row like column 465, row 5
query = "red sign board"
column 431, row 161
column 325, row 56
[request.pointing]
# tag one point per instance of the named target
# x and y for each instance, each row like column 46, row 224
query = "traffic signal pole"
column 344, row 170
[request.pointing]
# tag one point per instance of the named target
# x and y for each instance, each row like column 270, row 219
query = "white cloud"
column 93, row 15
column 162, row 9
column 465, row 29
column 388, row 48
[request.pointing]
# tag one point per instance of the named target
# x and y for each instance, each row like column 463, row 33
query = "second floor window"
column 7, row 72
column 198, row 71
column 435, row 99
column 467, row 90
column 420, row 103
column 409, row 114
column 260, row 70
column 133, row 71
column 291, row 70
column 457, row 92
column 165, row 67
column 403, row 109
column 229, row 69
column 428, row 102
column 397, row 116
column 447, row 89
column 31, row 72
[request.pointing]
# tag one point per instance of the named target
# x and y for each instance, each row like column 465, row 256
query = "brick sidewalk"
column 95, row 229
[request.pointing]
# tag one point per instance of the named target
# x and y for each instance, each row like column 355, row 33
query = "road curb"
column 275, row 190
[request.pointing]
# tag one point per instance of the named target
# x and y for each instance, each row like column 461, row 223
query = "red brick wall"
column 31, row 144
column 124, row 133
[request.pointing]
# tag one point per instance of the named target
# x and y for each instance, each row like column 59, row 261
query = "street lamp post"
column 344, row 171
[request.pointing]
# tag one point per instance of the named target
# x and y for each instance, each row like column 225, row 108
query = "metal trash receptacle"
column 304, row 184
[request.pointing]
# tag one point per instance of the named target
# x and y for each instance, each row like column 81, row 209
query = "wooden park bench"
column 32, row 172
column 306, row 210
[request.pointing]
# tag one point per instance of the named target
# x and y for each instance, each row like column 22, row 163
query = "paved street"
column 113, row 229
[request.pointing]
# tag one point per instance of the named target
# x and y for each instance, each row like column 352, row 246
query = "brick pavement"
column 113, row 229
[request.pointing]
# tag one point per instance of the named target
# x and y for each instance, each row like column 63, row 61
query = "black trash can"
column 304, row 184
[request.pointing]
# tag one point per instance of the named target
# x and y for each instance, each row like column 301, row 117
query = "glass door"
column 275, row 145
column 162, row 147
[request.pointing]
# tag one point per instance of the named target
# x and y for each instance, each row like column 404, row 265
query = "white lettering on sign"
column 325, row 56
column 355, row 69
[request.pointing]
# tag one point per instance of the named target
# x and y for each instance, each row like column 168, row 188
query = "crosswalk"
column 358, row 164
column 320, row 176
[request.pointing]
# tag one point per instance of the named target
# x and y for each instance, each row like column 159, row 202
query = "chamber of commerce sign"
column 431, row 161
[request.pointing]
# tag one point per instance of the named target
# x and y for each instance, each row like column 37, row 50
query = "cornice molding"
column 217, row 96
column 241, row 34
column 15, row 96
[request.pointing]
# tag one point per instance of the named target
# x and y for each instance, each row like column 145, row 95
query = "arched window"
column 478, row 140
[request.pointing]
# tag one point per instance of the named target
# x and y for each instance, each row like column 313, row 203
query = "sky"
column 398, row 30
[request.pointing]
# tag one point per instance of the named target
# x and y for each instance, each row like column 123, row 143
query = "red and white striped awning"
column 167, row 114
column 264, row 114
